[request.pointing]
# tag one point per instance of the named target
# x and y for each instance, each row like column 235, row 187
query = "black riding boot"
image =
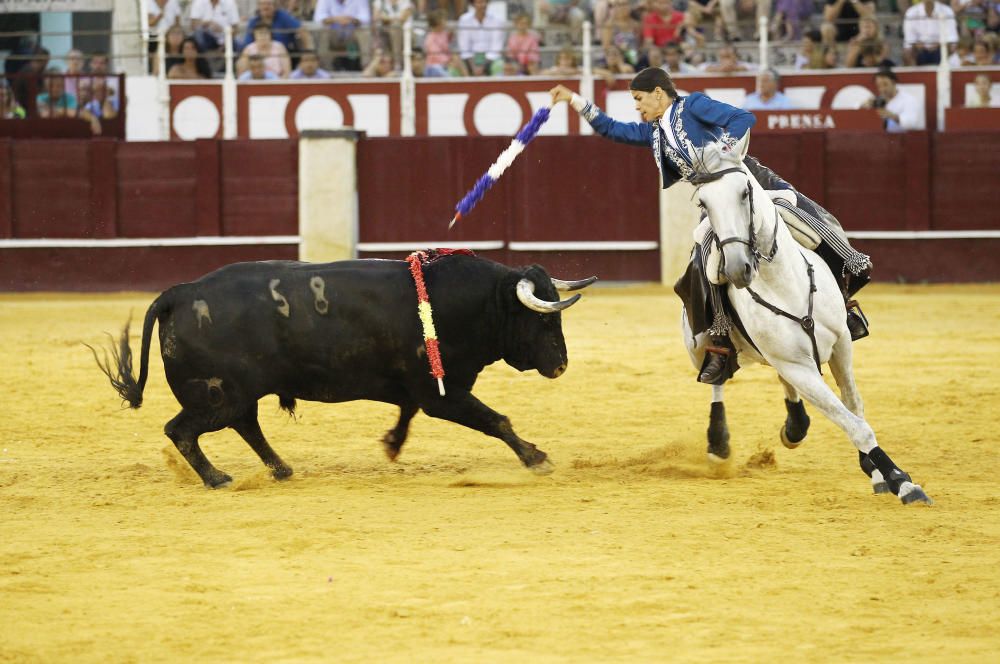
column 717, row 367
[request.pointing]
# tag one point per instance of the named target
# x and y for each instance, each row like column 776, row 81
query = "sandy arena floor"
column 634, row 550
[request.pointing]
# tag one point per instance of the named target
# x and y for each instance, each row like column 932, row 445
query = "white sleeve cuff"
column 578, row 103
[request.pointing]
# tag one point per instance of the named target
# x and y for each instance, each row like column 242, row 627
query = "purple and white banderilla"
column 506, row 158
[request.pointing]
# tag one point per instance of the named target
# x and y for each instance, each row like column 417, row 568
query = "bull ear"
column 526, row 294
column 572, row 285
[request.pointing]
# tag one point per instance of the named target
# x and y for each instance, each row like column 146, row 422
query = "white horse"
column 792, row 309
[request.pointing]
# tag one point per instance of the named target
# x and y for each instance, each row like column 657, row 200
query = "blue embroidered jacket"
column 695, row 120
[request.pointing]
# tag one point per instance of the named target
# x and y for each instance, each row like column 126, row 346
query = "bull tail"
column 118, row 366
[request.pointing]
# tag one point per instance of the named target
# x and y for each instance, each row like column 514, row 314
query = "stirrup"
column 713, row 369
column 857, row 322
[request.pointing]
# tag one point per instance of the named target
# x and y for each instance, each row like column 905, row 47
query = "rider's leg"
column 720, row 353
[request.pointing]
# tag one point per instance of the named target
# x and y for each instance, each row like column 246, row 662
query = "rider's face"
column 650, row 105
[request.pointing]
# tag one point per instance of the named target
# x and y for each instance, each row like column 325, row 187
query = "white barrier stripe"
column 477, row 245
column 121, row 242
column 619, row 245
column 923, row 235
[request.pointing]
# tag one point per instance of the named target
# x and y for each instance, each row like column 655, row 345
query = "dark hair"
column 651, row 78
column 887, row 73
column 200, row 63
column 262, row 26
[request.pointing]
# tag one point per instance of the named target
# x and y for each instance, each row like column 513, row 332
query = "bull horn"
column 526, row 294
column 572, row 285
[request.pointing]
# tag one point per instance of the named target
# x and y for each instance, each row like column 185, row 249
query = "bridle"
column 806, row 322
column 703, row 178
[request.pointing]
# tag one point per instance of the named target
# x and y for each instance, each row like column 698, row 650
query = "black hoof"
column 718, row 433
column 543, row 467
column 281, row 473
column 218, row 481
column 796, row 424
column 391, row 446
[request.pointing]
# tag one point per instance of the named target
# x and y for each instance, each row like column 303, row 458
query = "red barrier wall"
column 562, row 189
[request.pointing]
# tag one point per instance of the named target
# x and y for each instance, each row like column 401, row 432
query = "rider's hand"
column 560, row 93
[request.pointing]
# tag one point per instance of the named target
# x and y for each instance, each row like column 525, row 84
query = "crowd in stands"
column 531, row 37
column 318, row 39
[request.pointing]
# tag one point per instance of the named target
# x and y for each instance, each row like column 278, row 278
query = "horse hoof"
column 281, row 473
column 910, row 493
column 391, row 447
column 544, row 467
column 717, row 459
column 219, row 481
column 787, row 443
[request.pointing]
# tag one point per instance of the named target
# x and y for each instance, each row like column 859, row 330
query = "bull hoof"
column 391, row 447
column 218, row 481
column 910, row 493
column 790, row 444
column 543, row 467
column 281, row 473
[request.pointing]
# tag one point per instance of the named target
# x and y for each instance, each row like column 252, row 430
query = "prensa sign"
column 801, row 121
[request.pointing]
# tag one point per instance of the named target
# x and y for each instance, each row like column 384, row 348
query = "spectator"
column 993, row 17
column 451, row 9
column 100, row 65
column 565, row 64
column 257, row 70
column 457, row 67
column 789, row 17
column 922, row 32
column 651, row 57
column 768, row 97
column 74, row 68
column 437, row 41
column 868, row 36
column 971, row 15
column 9, row 108
column 899, row 111
column 506, row 67
column 983, row 53
column 390, row 17
column 55, row 102
column 25, row 68
column 309, row 67
column 983, row 96
column 173, row 41
column 614, row 65
column 571, row 13
column 348, row 22
column 622, row 30
column 285, row 28
column 840, row 19
column 703, row 11
column 661, row 25
column 193, row 64
column 728, row 62
column 522, row 45
column 85, row 90
column 479, row 32
column 830, row 59
column 673, row 61
column 731, row 10
column 103, row 105
column 963, row 53
column 872, row 57
column 381, row 66
column 809, row 56
column 208, row 20
column 420, row 68
column 162, row 15
column 276, row 59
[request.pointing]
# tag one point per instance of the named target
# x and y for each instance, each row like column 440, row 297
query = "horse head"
column 726, row 191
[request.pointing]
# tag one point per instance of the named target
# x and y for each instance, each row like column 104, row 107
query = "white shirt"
column 171, row 12
column 475, row 37
column 359, row 9
column 918, row 28
column 223, row 13
column 390, row 8
column 911, row 115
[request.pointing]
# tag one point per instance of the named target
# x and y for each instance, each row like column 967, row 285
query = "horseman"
column 680, row 130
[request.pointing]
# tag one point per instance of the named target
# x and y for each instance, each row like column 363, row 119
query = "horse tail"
column 118, row 367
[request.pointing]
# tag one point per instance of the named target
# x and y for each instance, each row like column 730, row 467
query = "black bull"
column 338, row 332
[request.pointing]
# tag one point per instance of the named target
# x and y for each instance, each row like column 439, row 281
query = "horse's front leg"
column 807, row 381
column 718, row 429
column 796, row 425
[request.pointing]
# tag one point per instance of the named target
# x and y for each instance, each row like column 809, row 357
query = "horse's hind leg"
column 184, row 431
column 796, row 425
column 841, row 365
column 249, row 429
column 810, row 384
